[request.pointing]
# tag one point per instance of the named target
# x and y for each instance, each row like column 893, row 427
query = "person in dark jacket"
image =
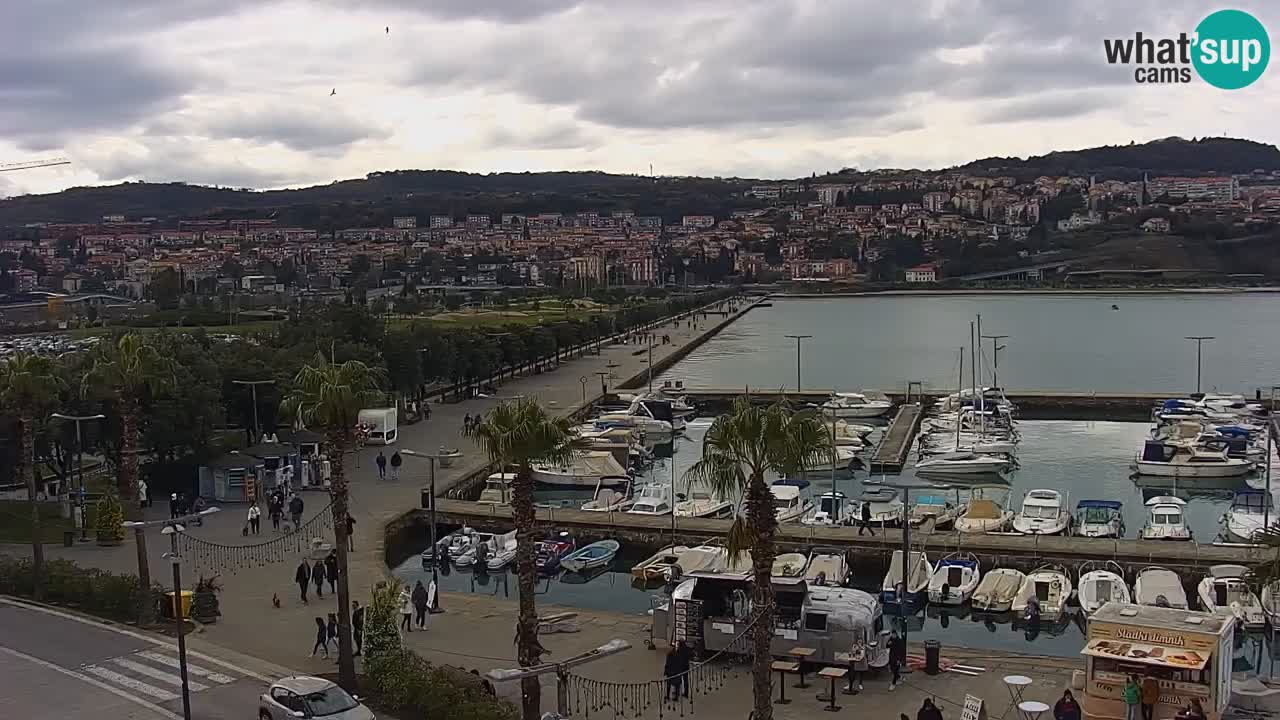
column 1066, row 708
column 357, row 625
column 317, row 577
column 333, row 628
column 331, row 570
column 684, row 657
column 420, row 605
column 396, row 462
column 866, row 519
column 303, row 577
column 897, row 658
column 671, row 671
column 322, row 638
column 381, row 461
column 295, row 510
column 928, row 711
column 275, row 508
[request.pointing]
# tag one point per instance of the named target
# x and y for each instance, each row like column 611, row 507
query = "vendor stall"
column 234, row 477
column 1187, row 652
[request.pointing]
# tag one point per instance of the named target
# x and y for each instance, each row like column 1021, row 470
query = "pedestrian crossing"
column 154, row 675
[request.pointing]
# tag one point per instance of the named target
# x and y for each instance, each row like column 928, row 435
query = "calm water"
column 1057, row 342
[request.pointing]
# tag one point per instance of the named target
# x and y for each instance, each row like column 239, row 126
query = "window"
column 330, row 701
column 287, row 699
column 815, row 621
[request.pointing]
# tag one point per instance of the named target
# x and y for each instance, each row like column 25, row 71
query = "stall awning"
column 1146, row 654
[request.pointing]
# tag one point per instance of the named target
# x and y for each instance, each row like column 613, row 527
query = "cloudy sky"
column 237, row 92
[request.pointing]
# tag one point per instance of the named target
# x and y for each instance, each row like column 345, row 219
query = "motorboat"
column 972, row 446
column 704, row 504
column 662, row 565
column 883, row 505
column 832, row 509
column 1101, row 583
column 789, row 565
column 935, row 509
column 852, row 434
column 607, row 499
column 826, row 566
column 840, row 457
column 450, row 546
column 1044, row 512
column 1165, row 460
column 1225, row 593
column 854, row 405
column 497, row 489
column 651, row 500
column 962, row 462
column 915, row 589
column 1167, row 519
column 587, row 469
column 1159, row 587
column 954, row 579
column 1271, row 603
column 996, row 590
column 477, row 552
column 1050, row 586
column 652, row 417
column 504, row 551
column 1099, row 519
column 983, row 514
column 595, row 555
column 790, row 501
column 547, row 553
column 1250, row 512
column 680, row 405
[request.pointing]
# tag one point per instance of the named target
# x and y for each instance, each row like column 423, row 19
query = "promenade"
column 476, row 632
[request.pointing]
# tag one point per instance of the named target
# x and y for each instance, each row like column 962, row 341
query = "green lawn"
column 15, row 521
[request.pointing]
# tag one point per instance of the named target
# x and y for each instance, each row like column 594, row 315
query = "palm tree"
column 328, row 396
column 29, row 387
column 738, row 450
column 521, row 434
column 130, row 369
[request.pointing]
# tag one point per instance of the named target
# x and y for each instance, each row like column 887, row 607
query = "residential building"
column 698, row 221
column 407, row 222
column 1194, row 188
column 439, row 222
column 937, row 202
column 926, row 273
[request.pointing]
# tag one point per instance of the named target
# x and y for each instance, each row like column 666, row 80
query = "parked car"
column 302, row 696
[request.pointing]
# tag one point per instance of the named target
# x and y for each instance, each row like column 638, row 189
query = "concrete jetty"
column 891, row 454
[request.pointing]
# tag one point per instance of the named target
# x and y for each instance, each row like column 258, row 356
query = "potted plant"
column 204, row 600
column 109, row 520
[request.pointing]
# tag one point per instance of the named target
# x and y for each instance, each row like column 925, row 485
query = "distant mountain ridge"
column 1169, row 156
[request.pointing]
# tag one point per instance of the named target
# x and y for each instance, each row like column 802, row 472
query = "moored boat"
column 1224, row 592
column 983, row 513
column 914, row 588
column 1101, row 583
column 1048, row 587
column 1167, row 520
column 826, row 566
column 704, row 504
column 854, row 405
column 1044, row 512
column 954, row 579
column 833, row 508
column 595, row 555
column 1251, row 511
column 1159, row 587
column 588, row 469
column 1099, row 518
column 790, row 501
column 996, row 590
column 789, row 565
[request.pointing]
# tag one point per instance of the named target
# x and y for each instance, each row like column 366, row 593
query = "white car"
column 301, row 696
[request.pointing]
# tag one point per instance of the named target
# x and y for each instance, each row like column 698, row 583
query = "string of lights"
column 218, row 558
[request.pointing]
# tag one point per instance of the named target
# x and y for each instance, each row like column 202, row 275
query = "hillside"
column 1170, row 156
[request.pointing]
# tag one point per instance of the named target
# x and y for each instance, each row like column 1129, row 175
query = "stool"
column 783, row 667
column 801, row 654
column 833, row 674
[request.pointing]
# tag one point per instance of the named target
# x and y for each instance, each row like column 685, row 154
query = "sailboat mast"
column 960, row 398
column 973, row 368
column 982, row 397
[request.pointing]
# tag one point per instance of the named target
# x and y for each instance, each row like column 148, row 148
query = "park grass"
column 15, row 521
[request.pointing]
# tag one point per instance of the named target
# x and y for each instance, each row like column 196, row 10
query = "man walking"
column 255, row 518
column 381, row 461
column 419, row 598
column 317, row 577
column 351, row 533
column 396, row 462
column 865, row 523
column 331, row 570
column 303, row 577
column 275, row 509
column 357, row 625
column 295, row 510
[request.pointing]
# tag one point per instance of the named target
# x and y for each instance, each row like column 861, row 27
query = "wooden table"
column 833, row 674
column 801, row 654
column 782, row 667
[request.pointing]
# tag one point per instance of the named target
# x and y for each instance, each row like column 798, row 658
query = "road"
column 56, row 665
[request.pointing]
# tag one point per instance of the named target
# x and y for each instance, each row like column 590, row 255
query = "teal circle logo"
column 1231, row 49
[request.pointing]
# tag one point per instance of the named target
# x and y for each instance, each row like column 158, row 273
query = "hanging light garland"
column 217, row 558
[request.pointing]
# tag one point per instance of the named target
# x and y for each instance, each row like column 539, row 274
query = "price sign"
column 973, row 709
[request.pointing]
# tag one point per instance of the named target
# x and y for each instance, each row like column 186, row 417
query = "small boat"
column 497, row 489
column 996, row 590
column 477, row 551
column 1271, row 603
column 1159, row 587
column 660, row 564
column 933, row 508
column 1099, row 518
column 1224, row 592
column 1167, row 521
column 504, row 551
column 450, row 546
column 789, row 500
column 839, row 459
column 651, row 500
column 547, row 554
column 984, row 514
column 680, row 405
column 1101, row 583
column 916, row 587
column 789, row 565
column 595, row 555
column 704, row 504
column 1250, row 512
column 855, row 434
column 608, row 500
column 885, row 506
column 962, row 462
column 587, row 469
column 854, row 405
column 1050, row 586
column 832, row 509
column 826, row 566
column 1165, row 460
column 954, row 579
column 1044, row 512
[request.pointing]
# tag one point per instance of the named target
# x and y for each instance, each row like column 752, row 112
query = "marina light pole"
column 1271, row 431
column 1199, row 340
column 906, row 486
column 435, row 551
column 253, row 387
column 77, row 419
column 996, row 347
column 798, row 338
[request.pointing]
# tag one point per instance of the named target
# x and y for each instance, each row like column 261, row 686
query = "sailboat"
column 959, row 460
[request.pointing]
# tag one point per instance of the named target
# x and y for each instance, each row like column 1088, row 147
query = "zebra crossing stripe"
column 191, row 669
column 160, row 675
column 128, row 682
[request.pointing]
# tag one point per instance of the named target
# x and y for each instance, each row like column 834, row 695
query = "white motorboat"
column 497, row 489
column 984, row 514
column 1050, row 586
column 884, row 505
column 504, row 551
column 680, row 405
column 1250, row 512
column 838, row 459
column 651, row 500
column 833, row 509
column 1101, row 583
column 854, row 405
column 954, row 579
column 826, row 566
column 606, row 498
column 654, row 418
column 962, row 462
column 790, row 500
column 974, row 446
column 1164, row 460
column 1225, row 593
column 848, row 433
column 670, row 563
column 704, row 504
column 916, row 587
column 588, row 469
column 450, row 546
column 1044, row 512
column 935, row 509
column 996, row 590
column 1271, row 603
column 1160, row 587
column 481, row 546
column 1167, row 520
column 789, row 565
column 1099, row 518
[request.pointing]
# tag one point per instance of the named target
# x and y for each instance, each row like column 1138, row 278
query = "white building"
column 441, row 221
column 699, row 221
column 406, row 222
column 922, row 274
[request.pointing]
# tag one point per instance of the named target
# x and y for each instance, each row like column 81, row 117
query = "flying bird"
column 388, row 29
column 333, row 92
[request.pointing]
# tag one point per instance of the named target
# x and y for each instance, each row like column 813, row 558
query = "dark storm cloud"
column 169, row 160
column 556, row 136
column 296, row 128
column 1046, row 106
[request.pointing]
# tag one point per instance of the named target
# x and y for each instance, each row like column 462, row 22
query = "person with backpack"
column 396, row 461
column 317, row 577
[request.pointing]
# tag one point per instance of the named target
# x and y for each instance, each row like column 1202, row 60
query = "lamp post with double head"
column 1199, row 340
column 77, row 419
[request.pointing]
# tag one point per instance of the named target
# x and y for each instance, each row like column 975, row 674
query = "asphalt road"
column 54, row 667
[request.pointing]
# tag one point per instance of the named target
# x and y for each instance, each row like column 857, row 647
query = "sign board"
column 973, row 709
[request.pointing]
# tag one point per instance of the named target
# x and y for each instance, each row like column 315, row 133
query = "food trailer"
column 1187, row 652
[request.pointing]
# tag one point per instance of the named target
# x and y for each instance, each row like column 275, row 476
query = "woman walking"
column 406, row 610
column 331, row 570
column 317, row 577
column 255, row 518
column 303, row 577
column 322, row 638
column 333, row 629
column 420, row 605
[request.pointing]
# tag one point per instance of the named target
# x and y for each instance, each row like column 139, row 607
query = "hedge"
column 94, row 591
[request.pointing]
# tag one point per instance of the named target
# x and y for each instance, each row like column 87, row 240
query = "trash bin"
column 186, row 604
column 932, row 656
column 426, row 498
column 68, row 538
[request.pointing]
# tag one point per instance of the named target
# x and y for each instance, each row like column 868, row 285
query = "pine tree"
column 381, row 637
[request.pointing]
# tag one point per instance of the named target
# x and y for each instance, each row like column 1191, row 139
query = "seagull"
column 333, row 92
column 388, row 29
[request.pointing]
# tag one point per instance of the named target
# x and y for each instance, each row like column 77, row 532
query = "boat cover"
column 984, row 510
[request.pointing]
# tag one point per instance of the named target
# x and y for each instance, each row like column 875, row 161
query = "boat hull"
column 1176, row 470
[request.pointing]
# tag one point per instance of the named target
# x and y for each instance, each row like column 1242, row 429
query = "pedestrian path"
column 154, row 674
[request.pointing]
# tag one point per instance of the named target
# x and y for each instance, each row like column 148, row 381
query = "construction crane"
column 6, row 167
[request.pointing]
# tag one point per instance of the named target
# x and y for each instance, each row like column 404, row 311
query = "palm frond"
column 330, row 396
column 739, row 540
column 521, row 433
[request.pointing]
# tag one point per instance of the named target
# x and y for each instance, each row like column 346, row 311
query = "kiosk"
column 1187, row 652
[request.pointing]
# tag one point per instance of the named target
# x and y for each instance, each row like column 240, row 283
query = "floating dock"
column 895, row 445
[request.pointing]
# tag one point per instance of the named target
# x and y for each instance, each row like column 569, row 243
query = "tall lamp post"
column 77, row 419
column 604, row 383
column 996, row 347
column 431, row 459
column 1199, row 341
column 798, row 338
column 906, row 486
column 253, row 388
column 561, row 669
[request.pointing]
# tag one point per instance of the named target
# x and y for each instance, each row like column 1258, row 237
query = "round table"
column 1032, row 709
column 1016, row 684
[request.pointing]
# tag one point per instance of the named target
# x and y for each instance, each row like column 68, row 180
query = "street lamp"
column 435, row 562
column 253, row 387
column 172, row 528
column 906, row 486
column 561, row 669
column 996, row 347
column 604, row 382
column 77, row 419
column 1199, row 340
column 798, row 338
